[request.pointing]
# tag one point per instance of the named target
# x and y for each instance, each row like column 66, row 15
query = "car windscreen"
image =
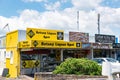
column 99, row 60
column 111, row 60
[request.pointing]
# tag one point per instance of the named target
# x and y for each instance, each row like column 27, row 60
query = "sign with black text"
column 44, row 34
column 48, row 44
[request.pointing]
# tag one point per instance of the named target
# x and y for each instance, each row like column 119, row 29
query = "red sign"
column 79, row 36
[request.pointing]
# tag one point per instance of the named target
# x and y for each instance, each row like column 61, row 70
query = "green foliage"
column 81, row 66
column 8, row 75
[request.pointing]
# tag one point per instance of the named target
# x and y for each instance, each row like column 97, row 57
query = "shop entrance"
column 31, row 60
column 103, row 53
column 45, row 60
column 30, row 63
column 41, row 60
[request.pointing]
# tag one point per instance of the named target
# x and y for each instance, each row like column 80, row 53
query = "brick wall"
column 50, row 76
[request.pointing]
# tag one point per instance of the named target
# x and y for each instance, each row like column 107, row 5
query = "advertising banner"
column 78, row 36
column 104, row 38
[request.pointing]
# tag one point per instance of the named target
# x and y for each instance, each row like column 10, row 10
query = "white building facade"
column 2, row 53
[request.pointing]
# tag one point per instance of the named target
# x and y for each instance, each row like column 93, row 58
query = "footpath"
column 23, row 77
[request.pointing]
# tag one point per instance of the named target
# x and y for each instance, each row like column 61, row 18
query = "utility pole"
column 78, row 20
column 98, row 23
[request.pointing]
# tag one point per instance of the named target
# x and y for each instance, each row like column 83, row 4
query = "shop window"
column 8, row 53
column 11, row 57
column 58, row 55
column 29, row 57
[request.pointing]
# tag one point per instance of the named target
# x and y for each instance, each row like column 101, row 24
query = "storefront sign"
column 48, row 44
column 116, row 45
column 24, row 44
column 101, row 46
column 52, row 44
column 86, row 45
column 78, row 36
column 44, row 34
column 104, row 38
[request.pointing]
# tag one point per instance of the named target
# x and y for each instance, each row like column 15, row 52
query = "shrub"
column 8, row 75
column 79, row 66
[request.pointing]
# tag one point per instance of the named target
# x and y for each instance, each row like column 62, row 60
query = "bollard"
column 106, row 70
column 111, row 70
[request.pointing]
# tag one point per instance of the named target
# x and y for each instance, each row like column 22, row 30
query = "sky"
column 61, row 15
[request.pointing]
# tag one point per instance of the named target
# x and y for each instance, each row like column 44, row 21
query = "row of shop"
column 41, row 50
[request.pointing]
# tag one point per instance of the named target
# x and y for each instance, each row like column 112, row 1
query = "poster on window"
column 78, row 36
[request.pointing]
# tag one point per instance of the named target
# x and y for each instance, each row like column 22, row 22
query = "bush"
column 8, row 75
column 81, row 66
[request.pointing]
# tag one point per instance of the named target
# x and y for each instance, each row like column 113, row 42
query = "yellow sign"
column 30, row 63
column 44, row 34
column 24, row 44
column 55, row 44
column 49, row 44
column 58, row 55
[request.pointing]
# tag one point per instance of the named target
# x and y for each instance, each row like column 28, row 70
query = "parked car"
column 100, row 60
column 118, row 58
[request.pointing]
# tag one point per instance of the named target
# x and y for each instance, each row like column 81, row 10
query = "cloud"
column 86, row 4
column 66, row 19
column 52, row 6
column 110, row 19
column 27, row 18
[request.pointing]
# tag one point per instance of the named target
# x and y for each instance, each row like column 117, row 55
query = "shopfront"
column 41, row 50
column 95, row 50
column 116, row 48
column 102, row 50
column 103, row 46
column 42, row 56
column 37, row 50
